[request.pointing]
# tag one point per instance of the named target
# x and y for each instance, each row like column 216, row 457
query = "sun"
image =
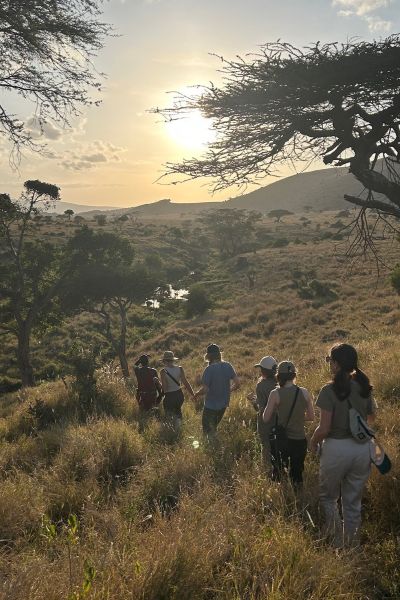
column 192, row 132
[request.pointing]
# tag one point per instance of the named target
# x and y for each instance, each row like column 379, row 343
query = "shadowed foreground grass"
column 160, row 518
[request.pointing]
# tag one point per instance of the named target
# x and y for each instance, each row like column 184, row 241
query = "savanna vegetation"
column 90, row 508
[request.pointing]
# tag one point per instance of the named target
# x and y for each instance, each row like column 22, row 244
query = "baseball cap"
column 213, row 349
column 267, row 362
column 286, row 367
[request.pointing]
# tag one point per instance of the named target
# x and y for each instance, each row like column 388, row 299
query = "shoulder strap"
column 292, row 407
column 172, row 377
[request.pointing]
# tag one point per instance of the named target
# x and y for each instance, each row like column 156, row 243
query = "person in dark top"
column 289, row 406
column 149, row 389
column 265, row 385
column 219, row 379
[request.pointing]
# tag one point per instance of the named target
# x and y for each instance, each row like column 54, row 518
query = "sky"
column 114, row 154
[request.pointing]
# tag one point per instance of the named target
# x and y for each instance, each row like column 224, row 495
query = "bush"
column 198, row 301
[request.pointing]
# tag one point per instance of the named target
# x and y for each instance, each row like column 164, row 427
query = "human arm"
column 323, row 429
column 163, row 379
column 201, row 391
column 235, row 383
column 186, row 383
column 252, row 397
column 272, row 403
column 309, row 415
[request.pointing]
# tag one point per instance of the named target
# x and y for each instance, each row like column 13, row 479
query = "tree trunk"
column 122, row 341
column 23, row 356
column 124, row 364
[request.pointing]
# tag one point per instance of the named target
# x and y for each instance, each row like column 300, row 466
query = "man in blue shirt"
column 217, row 387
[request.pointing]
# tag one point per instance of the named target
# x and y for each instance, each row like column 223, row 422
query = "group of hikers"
column 282, row 410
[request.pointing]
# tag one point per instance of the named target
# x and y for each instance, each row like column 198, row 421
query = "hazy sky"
column 115, row 153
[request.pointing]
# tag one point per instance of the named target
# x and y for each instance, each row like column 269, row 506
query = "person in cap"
column 265, row 385
column 344, row 462
column 219, row 379
column 172, row 376
column 288, row 407
column 149, row 389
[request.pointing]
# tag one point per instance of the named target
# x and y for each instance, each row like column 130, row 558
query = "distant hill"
column 321, row 190
column 79, row 208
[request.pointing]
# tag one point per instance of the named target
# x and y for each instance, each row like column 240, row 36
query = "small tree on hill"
column 69, row 213
column 101, row 220
column 278, row 214
column 337, row 102
column 231, row 229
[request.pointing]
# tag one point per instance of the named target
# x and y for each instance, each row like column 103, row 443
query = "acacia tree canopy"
column 46, row 50
column 336, row 102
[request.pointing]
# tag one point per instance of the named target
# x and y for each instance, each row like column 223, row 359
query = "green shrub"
column 198, row 301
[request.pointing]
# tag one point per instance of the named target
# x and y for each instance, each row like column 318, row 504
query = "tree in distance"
column 278, row 214
column 337, row 102
column 109, row 287
column 46, row 52
column 101, row 220
column 231, row 229
column 68, row 213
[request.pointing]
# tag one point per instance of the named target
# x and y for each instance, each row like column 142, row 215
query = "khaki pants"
column 344, row 470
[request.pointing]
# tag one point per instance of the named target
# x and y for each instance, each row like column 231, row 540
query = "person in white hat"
column 172, row 376
column 288, row 407
column 265, row 384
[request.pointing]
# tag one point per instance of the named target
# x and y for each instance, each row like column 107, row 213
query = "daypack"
column 147, row 393
column 360, row 430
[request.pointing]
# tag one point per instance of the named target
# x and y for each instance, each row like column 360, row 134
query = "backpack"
column 147, row 392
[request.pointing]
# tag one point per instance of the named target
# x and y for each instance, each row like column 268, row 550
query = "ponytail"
column 341, row 384
column 363, row 382
column 346, row 357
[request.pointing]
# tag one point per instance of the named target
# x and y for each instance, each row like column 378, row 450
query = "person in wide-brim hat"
column 169, row 356
column 172, row 376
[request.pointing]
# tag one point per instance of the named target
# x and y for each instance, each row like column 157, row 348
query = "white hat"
column 267, row 362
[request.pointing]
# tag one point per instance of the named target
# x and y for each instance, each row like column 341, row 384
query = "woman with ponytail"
column 345, row 463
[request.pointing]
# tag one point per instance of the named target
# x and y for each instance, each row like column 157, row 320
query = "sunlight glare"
column 192, row 132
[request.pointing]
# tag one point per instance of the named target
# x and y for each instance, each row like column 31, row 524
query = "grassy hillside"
column 91, row 509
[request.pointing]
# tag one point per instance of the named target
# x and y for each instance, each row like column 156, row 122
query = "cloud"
column 39, row 129
column 363, row 9
column 87, row 156
column 378, row 24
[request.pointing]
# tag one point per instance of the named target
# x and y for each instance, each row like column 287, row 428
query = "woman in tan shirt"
column 345, row 462
column 290, row 406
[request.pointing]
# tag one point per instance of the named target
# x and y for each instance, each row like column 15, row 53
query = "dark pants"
column 289, row 458
column 173, row 403
column 210, row 420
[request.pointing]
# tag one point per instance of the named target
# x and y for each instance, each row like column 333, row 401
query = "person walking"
column 149, row 390
column 172, row 376
column 344, row 462
column 288, row 407
column 219, row 379
column 265, row 385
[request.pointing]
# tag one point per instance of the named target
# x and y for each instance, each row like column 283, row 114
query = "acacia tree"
column 231, row 228
column 28, row 269
column 46, row 53
column 337, row 102
column 110, row 289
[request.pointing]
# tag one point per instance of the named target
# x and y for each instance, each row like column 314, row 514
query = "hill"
column 322, row 190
